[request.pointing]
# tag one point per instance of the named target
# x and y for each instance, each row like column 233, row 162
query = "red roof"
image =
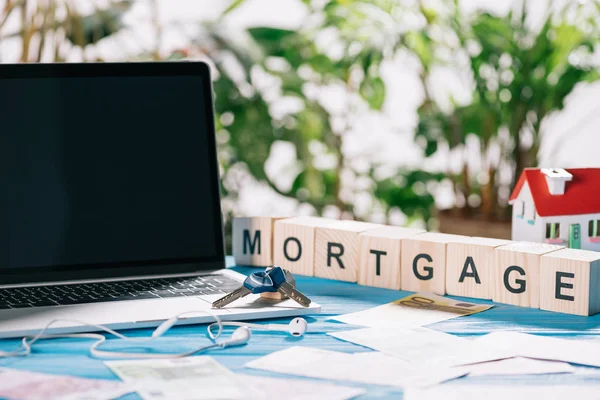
column 582, row 194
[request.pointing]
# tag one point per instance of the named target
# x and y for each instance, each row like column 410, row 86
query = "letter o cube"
column 294, row 243
column 517, row 273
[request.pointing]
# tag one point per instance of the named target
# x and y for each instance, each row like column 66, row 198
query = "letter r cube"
column 337, row 249
column 570, row 282
column 253, row 240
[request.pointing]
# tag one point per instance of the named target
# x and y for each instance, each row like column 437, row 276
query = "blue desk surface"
column 70, row 356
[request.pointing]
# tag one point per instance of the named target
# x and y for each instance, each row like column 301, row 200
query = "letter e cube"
column 570, row 282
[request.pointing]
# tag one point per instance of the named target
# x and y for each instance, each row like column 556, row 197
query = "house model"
column 558, row 206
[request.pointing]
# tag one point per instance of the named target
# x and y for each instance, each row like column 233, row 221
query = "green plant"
column 520, row 74
column 517, row 75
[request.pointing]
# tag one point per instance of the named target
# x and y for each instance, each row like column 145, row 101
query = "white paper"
column 16, row 384
column 520, row 366
column 190, row 378
column 424, row 347
column 371, row 368
column 392, row 315
column 412, row 311
column 497, row 392
column 583, row 352
column 297, row 389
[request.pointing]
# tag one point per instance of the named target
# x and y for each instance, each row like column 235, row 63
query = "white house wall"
column 565, row 222
column 529, row 228
column 533, row 229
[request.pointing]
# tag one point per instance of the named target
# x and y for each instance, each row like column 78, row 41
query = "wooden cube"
column 470, row 267
column 424, row 262
column 570, row 282
column 253, row 240
column 294, row 243
column 336, row 250
column 379, row 257
column 517, row 273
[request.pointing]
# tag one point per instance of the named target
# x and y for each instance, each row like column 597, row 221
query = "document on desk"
column 413, row 311
column 16, row 384
column 424, row 347
column 497, row 392
column 190, row 378
column 382, row 369
column 298, row 389
column 520, row 366
column 584, row 352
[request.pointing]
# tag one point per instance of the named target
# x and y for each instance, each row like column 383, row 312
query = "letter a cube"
column 424, row 262
column 379, row 260
column 517, row 273
column 570, row 282
column 337, row 249
column 253, row 240
column 470, row 267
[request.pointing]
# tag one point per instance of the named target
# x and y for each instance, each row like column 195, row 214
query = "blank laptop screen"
column 106, row 170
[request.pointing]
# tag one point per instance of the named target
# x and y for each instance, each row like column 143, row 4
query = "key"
column 277, row 295
column 288, row 290
column 238, row 293
column 256, row 283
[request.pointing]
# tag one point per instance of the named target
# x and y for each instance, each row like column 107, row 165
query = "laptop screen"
column 103, row 170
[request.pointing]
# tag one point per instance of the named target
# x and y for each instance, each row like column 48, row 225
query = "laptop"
column 110, row 199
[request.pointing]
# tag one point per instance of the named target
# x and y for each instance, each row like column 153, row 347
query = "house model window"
column 521, row 209
column 594, row 230
column 553, row 232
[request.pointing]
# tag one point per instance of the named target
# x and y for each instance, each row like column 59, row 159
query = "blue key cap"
column 256, row 283
column 265, row 281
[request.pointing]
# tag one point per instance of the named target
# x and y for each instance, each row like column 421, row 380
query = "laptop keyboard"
column 40, row 296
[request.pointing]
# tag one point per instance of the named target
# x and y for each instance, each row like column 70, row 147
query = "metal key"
column 288, row 290
column 256, row 283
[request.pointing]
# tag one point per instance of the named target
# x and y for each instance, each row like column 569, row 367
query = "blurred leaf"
column 372, row 89
column 231, row 7
column 90, row 29
column 421, row 45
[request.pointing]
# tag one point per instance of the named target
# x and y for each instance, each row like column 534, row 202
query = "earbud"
column 239, row 337
column 297, row 327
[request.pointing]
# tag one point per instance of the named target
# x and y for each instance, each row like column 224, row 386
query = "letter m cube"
column 253, row 241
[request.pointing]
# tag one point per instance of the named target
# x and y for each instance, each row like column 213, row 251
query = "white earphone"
column 297, row 327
